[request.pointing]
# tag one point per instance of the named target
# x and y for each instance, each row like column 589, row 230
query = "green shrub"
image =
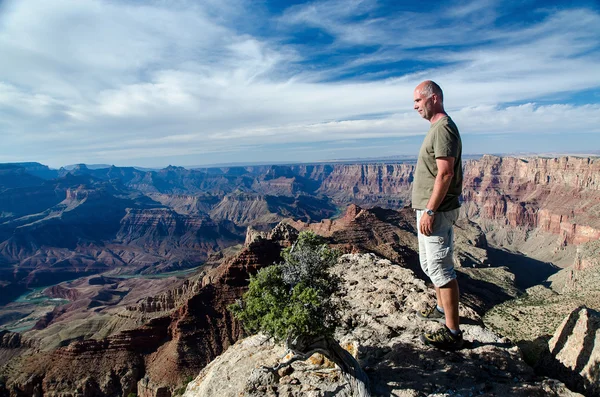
column 294, row 298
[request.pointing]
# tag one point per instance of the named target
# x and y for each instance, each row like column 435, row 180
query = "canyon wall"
column 559, row 196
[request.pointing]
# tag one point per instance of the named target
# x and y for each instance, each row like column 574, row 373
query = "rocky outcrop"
column 390, row 234
column 283, row 232
column 168, row 300
column 10, row 340
column 253, row 235
column 381, row 329
column 574, row 351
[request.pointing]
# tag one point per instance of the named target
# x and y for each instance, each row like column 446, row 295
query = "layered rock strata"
column 513, row 197
column 92, row 220
column 158, row 354
column 191, row 323
column 369, row 185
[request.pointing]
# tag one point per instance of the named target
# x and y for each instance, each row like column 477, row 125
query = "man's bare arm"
column 440, row 188
column 445, row 167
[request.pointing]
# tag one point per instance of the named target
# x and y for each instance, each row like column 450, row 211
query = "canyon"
column 150, row 335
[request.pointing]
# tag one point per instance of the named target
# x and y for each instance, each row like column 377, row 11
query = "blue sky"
column 153, row 83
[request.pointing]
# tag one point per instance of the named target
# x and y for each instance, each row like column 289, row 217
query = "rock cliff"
column 573, row 353
column 183, row 329
column 369, row 185
column 516, row 198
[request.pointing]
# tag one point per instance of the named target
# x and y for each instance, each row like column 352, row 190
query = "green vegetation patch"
column 294, row 298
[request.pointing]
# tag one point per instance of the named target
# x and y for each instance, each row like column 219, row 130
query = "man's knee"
column 443, row 277
column 450, row 284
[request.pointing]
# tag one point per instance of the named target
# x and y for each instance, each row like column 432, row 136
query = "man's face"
column 423, row 105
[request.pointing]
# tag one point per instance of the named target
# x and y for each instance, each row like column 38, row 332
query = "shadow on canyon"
column 528, row 271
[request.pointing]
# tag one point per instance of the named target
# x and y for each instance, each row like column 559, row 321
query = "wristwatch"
column 429, row 212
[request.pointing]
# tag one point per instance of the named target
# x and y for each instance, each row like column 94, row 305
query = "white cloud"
column 116, row 82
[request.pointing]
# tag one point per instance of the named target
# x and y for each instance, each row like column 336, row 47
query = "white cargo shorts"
column 436, row 251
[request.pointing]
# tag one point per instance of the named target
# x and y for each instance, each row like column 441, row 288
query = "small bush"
column 293, row 298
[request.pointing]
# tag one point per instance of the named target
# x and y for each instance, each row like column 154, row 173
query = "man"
column 435, row 196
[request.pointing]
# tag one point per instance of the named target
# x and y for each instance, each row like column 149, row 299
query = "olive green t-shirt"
column 442, row 140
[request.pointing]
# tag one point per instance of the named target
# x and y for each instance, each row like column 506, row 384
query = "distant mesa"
column 82, row 166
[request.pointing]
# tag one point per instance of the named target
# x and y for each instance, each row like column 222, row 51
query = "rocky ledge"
column 381, row 329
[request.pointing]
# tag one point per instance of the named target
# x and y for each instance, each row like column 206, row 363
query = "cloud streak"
column 98, row 81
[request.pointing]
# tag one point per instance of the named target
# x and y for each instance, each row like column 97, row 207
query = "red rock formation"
column 386, row 185
column 164, row 350
column 553, row 195
column 167, row 300
column 59, row 291
column 388, row 233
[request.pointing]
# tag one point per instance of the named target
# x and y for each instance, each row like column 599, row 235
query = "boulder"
column 575, row 350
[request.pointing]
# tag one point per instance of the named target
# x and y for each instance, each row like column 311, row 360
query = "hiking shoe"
column 432, row 314
column 443, row 339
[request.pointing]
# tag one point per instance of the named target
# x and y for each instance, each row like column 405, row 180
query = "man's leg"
column 438, row 295
column 449, row 295
column 441, row 269
column 430, row 313
column 439, row 249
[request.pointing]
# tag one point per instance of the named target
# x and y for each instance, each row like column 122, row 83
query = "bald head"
column 428, row 100
column 428, row 88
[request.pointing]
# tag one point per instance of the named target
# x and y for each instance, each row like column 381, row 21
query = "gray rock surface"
column 381, row 329
column 575, row 348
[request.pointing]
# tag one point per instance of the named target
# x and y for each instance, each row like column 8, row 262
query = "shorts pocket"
column 441, row 253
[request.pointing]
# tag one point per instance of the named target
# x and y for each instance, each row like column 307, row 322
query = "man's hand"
column 426, row 224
